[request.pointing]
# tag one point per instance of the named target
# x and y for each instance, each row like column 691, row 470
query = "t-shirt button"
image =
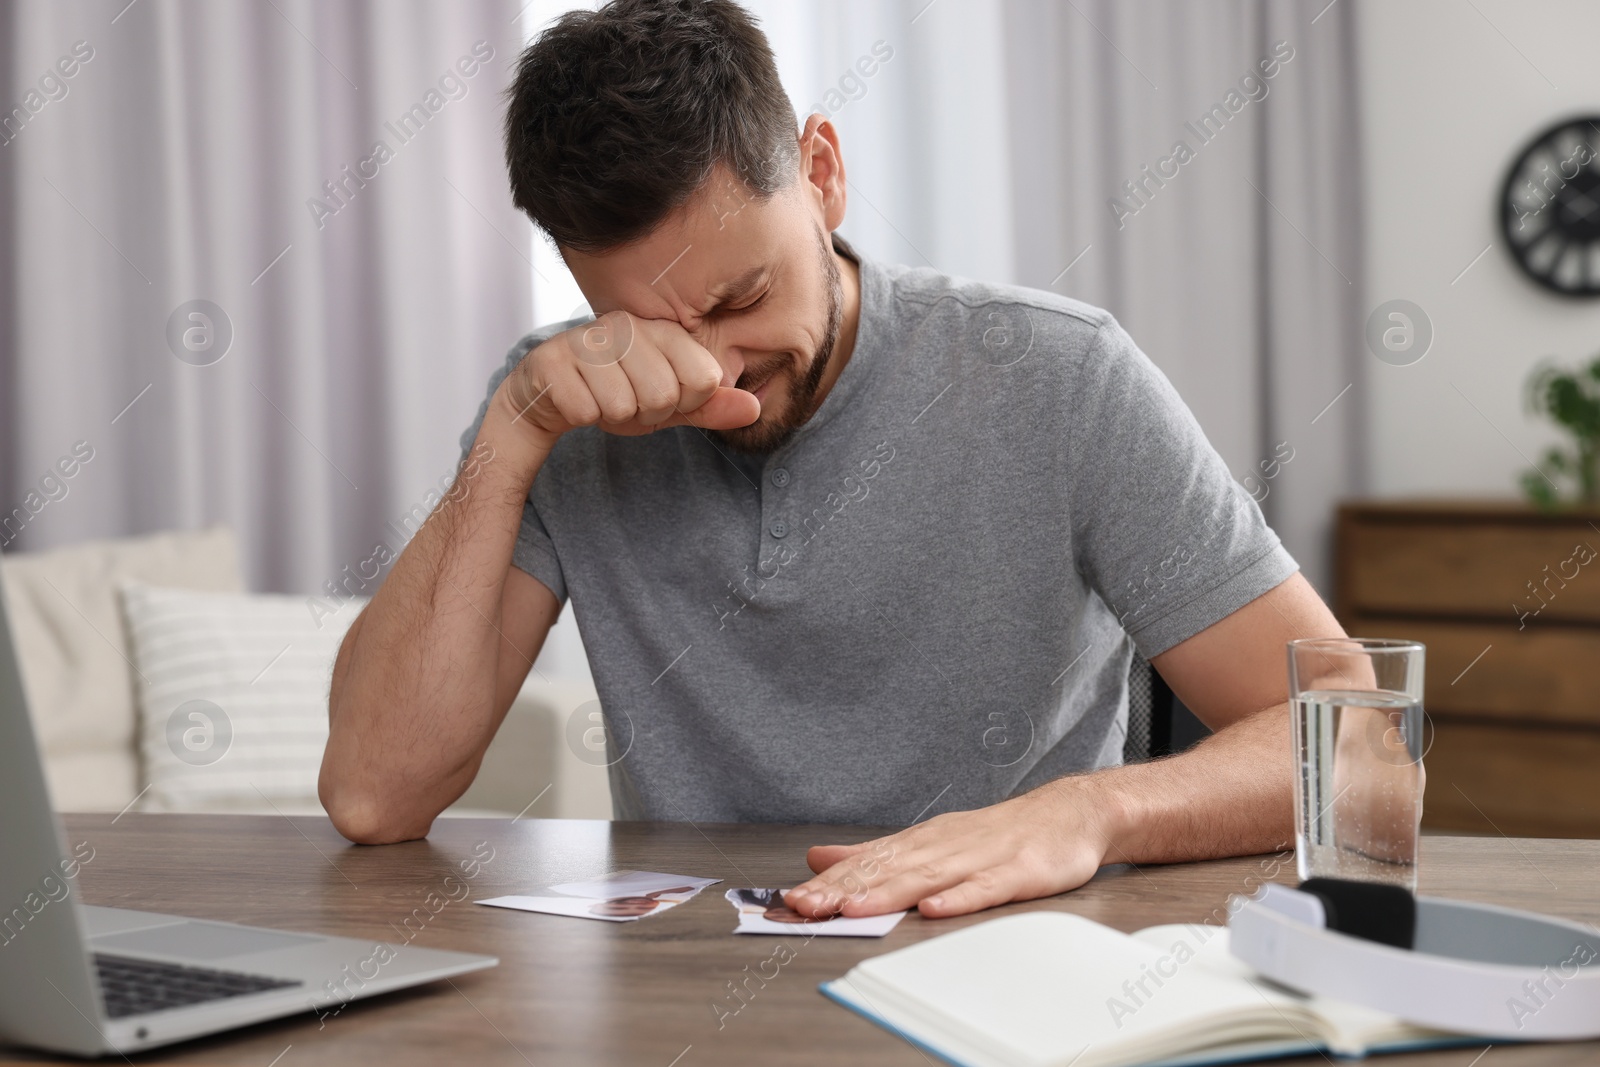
column 780, row 477
column 780, row 529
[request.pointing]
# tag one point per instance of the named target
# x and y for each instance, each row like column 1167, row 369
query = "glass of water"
column 1356, row 709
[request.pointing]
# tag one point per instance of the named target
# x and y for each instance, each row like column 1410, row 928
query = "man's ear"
column 822, row 170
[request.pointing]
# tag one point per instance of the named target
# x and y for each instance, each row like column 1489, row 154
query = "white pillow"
column 233, row 697
column 67, row 624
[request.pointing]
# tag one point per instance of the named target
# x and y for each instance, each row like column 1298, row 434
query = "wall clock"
column 1550, row 208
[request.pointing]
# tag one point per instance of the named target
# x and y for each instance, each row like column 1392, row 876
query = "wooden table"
column 571, row 991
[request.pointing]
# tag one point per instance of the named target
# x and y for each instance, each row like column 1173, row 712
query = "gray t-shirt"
column 923, row 601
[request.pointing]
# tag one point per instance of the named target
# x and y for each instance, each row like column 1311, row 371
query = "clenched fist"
column 626, row 375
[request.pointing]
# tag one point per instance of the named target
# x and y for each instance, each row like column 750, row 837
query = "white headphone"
column 1471, row 968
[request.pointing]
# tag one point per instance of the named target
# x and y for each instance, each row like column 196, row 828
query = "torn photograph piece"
column 762, row 911
column 623, row 896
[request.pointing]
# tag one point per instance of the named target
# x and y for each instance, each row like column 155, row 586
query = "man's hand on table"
column 1036, row 845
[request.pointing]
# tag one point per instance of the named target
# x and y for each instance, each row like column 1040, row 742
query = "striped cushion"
column 233, row 697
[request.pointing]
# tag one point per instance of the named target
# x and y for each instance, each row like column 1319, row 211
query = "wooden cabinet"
column 1507, row 600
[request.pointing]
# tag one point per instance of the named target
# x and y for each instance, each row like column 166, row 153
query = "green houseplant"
column 1571, row 399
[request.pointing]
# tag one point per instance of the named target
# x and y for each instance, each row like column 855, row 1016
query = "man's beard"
column 763, row 436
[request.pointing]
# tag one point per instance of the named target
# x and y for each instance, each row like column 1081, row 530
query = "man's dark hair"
column 618, row 116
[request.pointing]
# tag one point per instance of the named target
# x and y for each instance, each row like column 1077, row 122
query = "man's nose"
column 732, row 361
column 729, row 357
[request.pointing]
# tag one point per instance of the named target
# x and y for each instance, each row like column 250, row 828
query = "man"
column 847, row 543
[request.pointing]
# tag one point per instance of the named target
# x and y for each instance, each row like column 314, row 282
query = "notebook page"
column 1351, row 1029
column 1046, row 987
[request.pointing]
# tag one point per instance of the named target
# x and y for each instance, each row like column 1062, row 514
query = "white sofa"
column 77, row 666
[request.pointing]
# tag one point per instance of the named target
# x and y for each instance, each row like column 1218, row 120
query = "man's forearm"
column 1230, row 795
column 414, row 696
column 431, row 666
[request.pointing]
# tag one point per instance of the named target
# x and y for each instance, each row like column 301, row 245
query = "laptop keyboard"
column 136, row 987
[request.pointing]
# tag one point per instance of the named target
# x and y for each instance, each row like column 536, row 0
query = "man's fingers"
column 976, row 893
column 728, row 409
column 850, row 874
column 628, row 376
column 820, row 857
column 611, row 389
column 568, row 395
column 719, row 413
column 655, row 388
column 854, row 891
column 828, row 893
column 922, row 875
column 697, row 370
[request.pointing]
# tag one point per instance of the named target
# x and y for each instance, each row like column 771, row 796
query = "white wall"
column 1450, row 93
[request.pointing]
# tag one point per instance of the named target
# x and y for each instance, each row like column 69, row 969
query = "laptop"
column 92, row 981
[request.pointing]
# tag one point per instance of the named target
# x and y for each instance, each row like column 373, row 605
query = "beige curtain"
column 1233, row 260
column 328, row 179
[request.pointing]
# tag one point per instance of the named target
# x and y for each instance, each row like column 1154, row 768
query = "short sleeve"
column 1162, row 532
column 534, row 552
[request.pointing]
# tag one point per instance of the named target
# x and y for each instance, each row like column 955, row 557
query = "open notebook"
column 1052, row 989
